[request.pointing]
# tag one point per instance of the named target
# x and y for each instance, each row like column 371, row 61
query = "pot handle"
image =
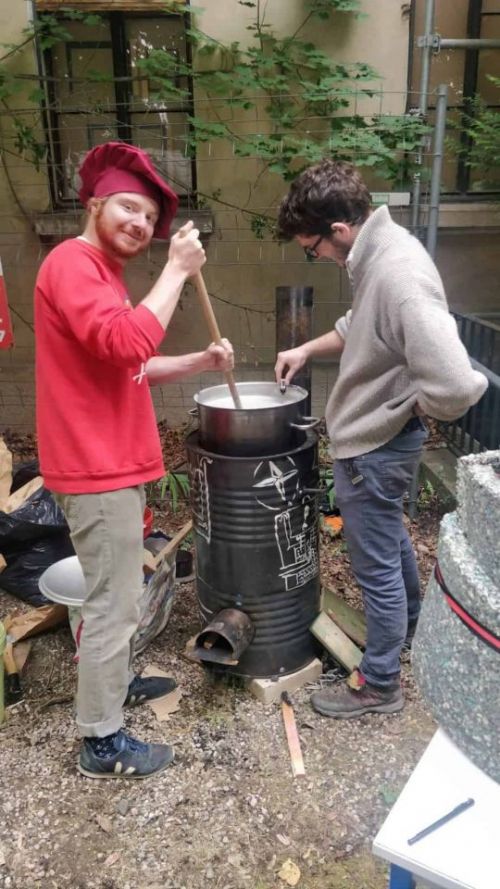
column 323, row 489
column 193, row 412
column 311, row 423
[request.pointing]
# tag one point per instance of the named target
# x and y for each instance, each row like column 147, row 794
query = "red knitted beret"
column 116, row 166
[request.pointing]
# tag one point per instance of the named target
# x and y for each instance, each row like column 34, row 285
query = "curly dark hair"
column 331, row 191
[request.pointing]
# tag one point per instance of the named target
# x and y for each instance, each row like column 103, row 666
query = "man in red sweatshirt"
column 98, row 439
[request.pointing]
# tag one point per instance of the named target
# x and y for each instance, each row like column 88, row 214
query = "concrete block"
column 466, row 576
column 269, row 690
column 478, row 489
column 457, row 671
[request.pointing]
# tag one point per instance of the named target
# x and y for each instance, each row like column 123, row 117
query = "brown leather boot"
column 356, row 697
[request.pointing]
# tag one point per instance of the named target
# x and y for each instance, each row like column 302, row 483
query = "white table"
column 462, row 854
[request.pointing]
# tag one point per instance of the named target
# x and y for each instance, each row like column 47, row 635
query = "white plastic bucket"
column 63, row 582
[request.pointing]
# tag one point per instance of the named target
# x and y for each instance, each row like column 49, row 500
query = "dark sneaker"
column 147, row 688
column 356, row 697
column 126, row 758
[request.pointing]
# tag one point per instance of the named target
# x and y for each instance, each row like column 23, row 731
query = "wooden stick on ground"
column 292, row 735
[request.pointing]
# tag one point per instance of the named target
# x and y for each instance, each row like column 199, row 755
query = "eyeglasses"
column 311, row 252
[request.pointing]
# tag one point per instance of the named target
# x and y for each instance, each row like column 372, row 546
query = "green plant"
column 389, row 793
column 338, row 549
column 482, row 128
column 326, row 476
column 302, row 99
column 46, row 31
column 425, row 495
column 174, row 486
column 188, row 541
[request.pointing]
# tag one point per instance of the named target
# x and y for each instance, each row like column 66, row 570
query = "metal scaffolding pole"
column 437, row 166
column 472, row 43
column 422, row 108
column 431, row 43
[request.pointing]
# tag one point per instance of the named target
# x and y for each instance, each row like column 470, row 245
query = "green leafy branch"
column 481, row 126
column 46, row 31
column 173, row 487
column 306, row 98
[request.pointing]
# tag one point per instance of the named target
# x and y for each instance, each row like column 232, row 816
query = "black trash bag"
column 24, row 569
column 23, row 474
column 39, row 516
column 32, row 538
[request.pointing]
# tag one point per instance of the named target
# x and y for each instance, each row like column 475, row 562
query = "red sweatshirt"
column 96, row 424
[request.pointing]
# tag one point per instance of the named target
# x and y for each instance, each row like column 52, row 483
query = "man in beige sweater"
column 400, row 358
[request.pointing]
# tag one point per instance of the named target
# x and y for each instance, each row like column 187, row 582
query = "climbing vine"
column 304, row 100
column 307, row 97
column 46, row 32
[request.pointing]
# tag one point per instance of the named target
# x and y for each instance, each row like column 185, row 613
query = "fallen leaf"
column 21, row 651
column 112, row 859
column 2, row 857
column 104, row 823
column 163, row 707
column 282, row 838
column 289, row 872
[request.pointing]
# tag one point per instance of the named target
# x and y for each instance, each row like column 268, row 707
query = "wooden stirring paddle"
column 213, row 327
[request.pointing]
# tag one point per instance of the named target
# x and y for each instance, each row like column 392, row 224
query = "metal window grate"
column 479, row 429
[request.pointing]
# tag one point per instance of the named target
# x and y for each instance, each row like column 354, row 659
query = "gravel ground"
column 228, row 814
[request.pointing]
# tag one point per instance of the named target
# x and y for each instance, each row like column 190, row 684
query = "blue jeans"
column 369, row 492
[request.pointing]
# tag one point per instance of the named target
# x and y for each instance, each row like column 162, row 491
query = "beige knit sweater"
column 401, row 344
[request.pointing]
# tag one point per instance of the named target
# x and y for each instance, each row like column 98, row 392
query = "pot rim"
column 292, row 395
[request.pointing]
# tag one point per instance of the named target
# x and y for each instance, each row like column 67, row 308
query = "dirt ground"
column 228, row 814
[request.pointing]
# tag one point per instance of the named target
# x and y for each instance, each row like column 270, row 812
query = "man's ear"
column 94, row 204
column 340, row 228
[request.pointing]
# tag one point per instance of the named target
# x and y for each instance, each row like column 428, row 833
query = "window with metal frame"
column 97, row 92
column 468, row 73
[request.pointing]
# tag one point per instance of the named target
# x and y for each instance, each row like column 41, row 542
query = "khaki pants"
column 107, row 534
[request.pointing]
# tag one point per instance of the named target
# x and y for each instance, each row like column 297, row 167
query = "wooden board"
column 172, row 545
column 336, row 642
column 293, row 740
column 349, row 619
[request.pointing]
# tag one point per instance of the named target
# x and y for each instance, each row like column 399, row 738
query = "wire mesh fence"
column 227, row 182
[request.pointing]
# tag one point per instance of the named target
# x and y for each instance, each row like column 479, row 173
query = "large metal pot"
column 270, row 421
